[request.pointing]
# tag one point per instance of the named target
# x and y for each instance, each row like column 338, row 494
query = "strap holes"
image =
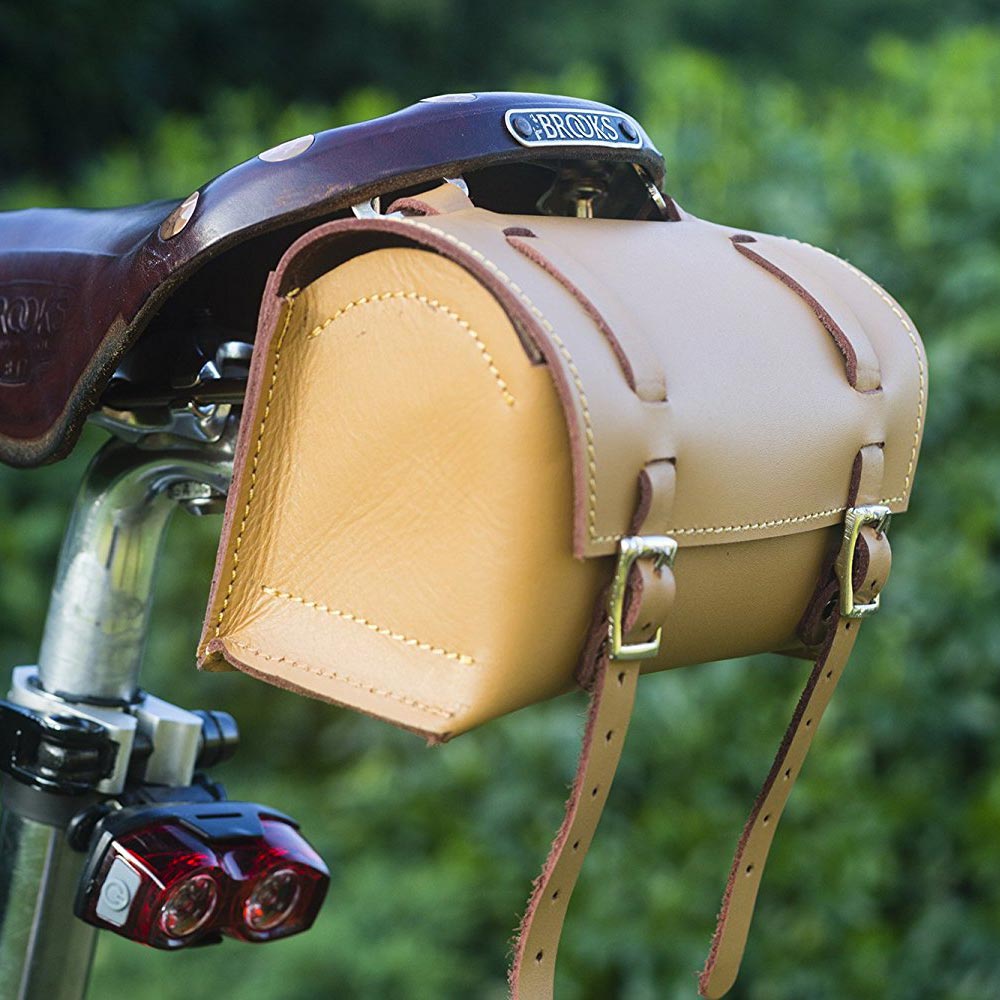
column 848, row 626
column 593, row 791
column 576, row 845
column 748, row 870
column 555, row 895
column 829, row 674
column 809, row 722
column 788, row 773
column 621, row 678
column 608, row 735
column 766, row 819
column 539, row 956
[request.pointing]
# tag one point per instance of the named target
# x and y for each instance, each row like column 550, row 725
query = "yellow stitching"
column 289, row 298
column 438, row 710
column 381, row 630
column 574, row 371
column 795, row 519
column 901, row 316
column 433, row 304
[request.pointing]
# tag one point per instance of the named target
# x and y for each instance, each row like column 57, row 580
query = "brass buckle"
column 662, row 550
column 854, row 520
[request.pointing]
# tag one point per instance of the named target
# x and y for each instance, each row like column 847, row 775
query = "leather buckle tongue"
column 855, row 519
column 663, row 551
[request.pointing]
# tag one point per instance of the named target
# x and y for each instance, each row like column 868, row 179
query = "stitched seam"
column 574, row 372
column 403, row 699
column 289, row 299
column 432, row 304
column 753, row 526
column 901, row 316
column 372, row 626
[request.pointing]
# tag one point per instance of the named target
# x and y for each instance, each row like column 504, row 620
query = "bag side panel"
column 401, row 523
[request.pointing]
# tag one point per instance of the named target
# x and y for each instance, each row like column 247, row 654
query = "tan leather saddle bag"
column 487, row 458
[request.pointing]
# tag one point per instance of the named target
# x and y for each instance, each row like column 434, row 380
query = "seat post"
column 96, row 627
column 89, row 664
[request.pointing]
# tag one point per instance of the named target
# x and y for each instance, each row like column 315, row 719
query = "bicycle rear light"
column 181, row 874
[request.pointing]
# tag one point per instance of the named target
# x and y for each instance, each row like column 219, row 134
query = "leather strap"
column 640, row 365
column 832, row 311
column 446, row 197
column 612, row 685
column 871, row 570
column 532, row 972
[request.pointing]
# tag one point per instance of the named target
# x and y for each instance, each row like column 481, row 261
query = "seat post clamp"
column 663, row 551
column 856, row 518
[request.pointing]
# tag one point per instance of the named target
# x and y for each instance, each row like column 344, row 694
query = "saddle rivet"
column 449, row 99
column 287, row 150
column 627, row 129
column 179, row 217
column 523, row 127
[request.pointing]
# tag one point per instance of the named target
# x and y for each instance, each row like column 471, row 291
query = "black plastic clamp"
column 62, row 754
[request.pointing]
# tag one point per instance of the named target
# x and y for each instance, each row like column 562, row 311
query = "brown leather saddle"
column 79, row 287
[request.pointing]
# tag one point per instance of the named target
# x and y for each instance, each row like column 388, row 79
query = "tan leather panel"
column 399, row 448
column 728, row 607
column 732, row 340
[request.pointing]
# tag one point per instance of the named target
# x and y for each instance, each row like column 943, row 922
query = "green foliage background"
column 872, row 130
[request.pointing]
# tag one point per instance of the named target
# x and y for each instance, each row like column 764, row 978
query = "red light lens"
column 189, row 906
column 165, row 886
column 272, row 900
column 284, row 882
column 155, row 885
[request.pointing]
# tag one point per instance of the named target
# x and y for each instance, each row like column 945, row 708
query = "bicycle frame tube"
column 92, row 648
column 45, row 951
